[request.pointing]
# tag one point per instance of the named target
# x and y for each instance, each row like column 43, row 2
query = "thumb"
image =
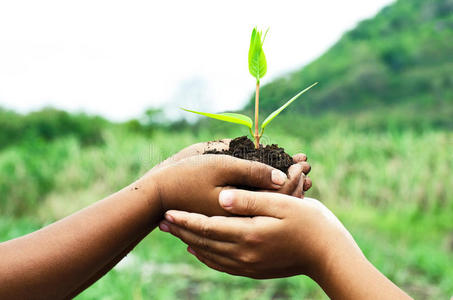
column 246, row 173
column 247, row 203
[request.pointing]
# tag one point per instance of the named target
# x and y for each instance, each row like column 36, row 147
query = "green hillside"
column 403, row 57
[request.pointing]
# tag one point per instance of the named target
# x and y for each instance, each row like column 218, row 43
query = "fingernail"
column 226, row 198
column 190, row 250
column 169, row 218
column 164, row 227
column 278, row 177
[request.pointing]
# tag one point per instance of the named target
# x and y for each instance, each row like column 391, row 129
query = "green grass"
column 390, row 188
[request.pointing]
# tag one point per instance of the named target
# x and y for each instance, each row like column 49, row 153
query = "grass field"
column 391, row 188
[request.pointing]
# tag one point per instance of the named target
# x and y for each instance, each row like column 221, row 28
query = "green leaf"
column 227, row 117
column 278, row 111
column 257, row 59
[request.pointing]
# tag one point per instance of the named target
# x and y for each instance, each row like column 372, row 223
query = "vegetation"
column 389, row 189
column 47, row 125
column 257, row 68
column 379, row 163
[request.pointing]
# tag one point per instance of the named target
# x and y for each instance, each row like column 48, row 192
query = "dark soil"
column 243, row 147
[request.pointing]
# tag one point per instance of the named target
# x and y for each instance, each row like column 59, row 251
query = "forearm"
column 107, row 267
column 62, row 257
column 347, row 274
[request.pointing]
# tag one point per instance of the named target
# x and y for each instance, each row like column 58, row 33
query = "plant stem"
column 257, row 103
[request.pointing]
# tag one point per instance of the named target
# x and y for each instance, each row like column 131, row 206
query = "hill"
column 402, row 57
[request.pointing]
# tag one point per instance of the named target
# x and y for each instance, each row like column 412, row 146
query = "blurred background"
column 89, row 100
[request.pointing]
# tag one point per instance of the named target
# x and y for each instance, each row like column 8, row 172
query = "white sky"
column 116, row 58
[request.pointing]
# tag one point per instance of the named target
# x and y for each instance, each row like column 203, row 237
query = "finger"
column 307, row 183
column 294, row 174
column 222, row 260
column 249, row 203
column 304, row 185
column 226, row 229
column 198, row 241
column 306, row 168
column 241, row 172
column 299, row 191
column 216, row 266
column 299, row 157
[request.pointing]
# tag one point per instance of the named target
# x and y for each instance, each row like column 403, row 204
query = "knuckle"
column 249, row 170
column 250, row 204
column 196, row 222
column 242, row 258
column 262, row 171
column 206, row 229
column 256, row 173
column 203, row 244
column 248, row 258
column 252, row 238
column 185, row 223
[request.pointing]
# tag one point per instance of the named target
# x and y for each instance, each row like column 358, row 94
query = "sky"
column 118, row 58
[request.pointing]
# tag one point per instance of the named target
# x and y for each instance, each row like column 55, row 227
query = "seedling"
column 257, row 68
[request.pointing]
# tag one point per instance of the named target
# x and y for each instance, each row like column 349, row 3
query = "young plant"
column 257, row 68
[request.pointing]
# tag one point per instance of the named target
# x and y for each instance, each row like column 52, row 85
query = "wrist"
column 341, row 260
column 349, row 275
column 150, row 188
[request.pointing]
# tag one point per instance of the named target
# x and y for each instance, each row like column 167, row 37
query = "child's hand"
column 297, row 184
column 193, row 184
column 286, row 236
column 196, row 149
